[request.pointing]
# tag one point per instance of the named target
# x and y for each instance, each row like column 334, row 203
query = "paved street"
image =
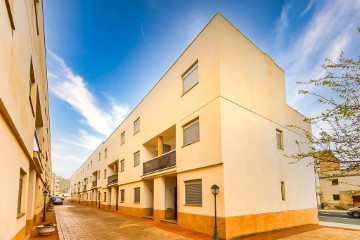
column 85, row 223
column 338, row 219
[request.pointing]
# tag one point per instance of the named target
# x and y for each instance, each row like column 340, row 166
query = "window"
column 123, row 138
column 10, row 10
column 104, row 196
column 122, row 195
column 36, row 6
column 91, row 164
column 98, row 174
column 137, row 126
column 191, row 132
column 32, row 92
column 136, row 159
column 334, row 182
column 104, row 173
column 193, row 192
column 99, row 156
column 190, row 78
column 283, row 191
column 279, row 139
column 336, row 197
column 137, row 195
column 20, row 193
column 105, row 153
column 122, row 165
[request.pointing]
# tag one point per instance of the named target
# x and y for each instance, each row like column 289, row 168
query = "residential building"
column 217, row 116
column 24, row 118
column 339, row 188
column 60, row 186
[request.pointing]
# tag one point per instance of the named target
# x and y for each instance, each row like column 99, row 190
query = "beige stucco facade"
column 239, row 104
column 24, row 118
column 339, row 189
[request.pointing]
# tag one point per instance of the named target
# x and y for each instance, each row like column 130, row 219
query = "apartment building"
column 24, row 118
column 339, row 188
column 217, row 116
column 60, row 186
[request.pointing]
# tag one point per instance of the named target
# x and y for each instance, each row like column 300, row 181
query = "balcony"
column 94, row 184
column 164, row 161
column 113, row 179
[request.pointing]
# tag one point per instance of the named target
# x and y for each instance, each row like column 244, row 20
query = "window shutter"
column 190, row 78
column 191, row 133
column 136, row 158
column 136, row 195
column 137, row 125
column 193, row 192
column 122, row 195
column 123, row 138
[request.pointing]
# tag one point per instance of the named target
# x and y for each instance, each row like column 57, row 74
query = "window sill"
column 136, row 133
column 192, row 205
column 190, row 143
column 19, row 215
column 136, row 202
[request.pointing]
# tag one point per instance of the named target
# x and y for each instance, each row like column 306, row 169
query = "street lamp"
column 215, row 191
column 45, row 193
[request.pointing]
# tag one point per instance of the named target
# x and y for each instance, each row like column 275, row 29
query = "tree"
column 339, row 125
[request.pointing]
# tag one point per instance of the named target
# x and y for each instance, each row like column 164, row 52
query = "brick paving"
column 78, row 222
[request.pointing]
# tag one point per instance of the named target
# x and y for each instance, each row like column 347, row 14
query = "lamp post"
column 215, row 191
column 45, row 193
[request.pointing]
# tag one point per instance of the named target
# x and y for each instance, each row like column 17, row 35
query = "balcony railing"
column 164, row 161
column 94, row 183
column 113, row 179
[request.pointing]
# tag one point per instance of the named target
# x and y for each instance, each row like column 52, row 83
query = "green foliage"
column 339, row 123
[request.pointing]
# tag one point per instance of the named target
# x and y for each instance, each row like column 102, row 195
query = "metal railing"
column 113, row 179
column 161, row 162
column 94, row 183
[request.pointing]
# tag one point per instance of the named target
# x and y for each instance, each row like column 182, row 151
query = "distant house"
column 339, row 188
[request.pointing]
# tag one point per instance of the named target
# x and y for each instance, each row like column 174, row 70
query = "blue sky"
column 104, row 56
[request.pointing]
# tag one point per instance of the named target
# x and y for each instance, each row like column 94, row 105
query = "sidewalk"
column 75, row 221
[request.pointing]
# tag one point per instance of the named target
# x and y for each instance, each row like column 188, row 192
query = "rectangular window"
column 137, row 195
column 137, row 126
column 336, row 197
column 105, row 152
column 122, row 165
column 104, row 173
column 122, row 195
column 279, row 139
column 20, row 193
column 193, row 192
column 283, row 191
column 136, row 159
column 32, row 89
column 123, row 138
column 104, row 196
column 191, row 132
column 190, row 78
column 334, row 182
column 99, row 156
column 91, row 164
column 36, row 6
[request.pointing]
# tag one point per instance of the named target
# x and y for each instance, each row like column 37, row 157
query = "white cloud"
column 72, row 88
column 84, row 140
column 330, row 31
column 308, row 8
column 283, row 21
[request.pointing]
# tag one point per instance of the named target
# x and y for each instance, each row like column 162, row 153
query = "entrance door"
column 117, row 199
column 175, row 203
column 356, row 201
